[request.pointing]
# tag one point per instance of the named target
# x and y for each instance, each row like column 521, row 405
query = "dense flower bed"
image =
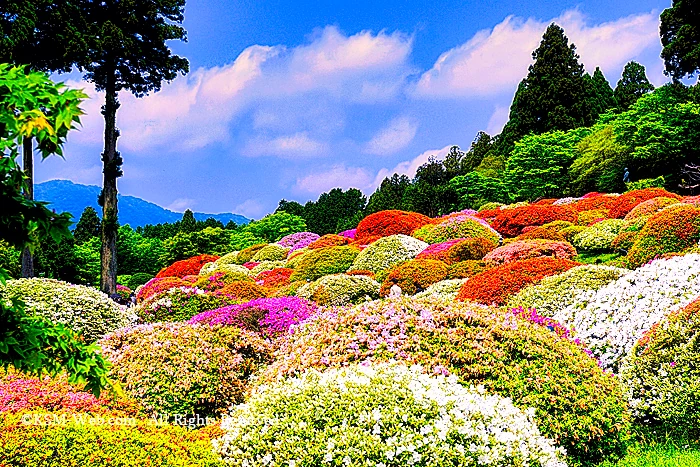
column 526, row 249
column 220, row 279
column 628, row 201
column 266, row 266
column 350, row 233
column 158, row 285
column 82, row 309
column 594, row 202
column 329, row 240
column 186, row 267
column 270, row 317
column 182, row 368
column 340, row 289
column 663, row 369
column 671, row 230
column 555, row 292
column 298, row 240
column 387, row 252
column 274, row 278
column 544, row 232
column 511, row 222
column 414, row 276
column 210, row 268
column 466, row 269
column 591, row 217
column 599, row 236
column 324, row 261
column 180, row 304
column 392, row 222
column 611, row 319
column 271, row 252
column 400, row 417
column 246, row 255
column 462, row 226
column 443, row 290
column 438, row 251
column 242, row 291
column 496, row 285
column 576, row 403
column 650, row 206
column 470, row 249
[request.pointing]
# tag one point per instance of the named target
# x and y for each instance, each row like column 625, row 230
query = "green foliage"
column 87, row 262
column 210, row 240
column 323, row 261
column 632, row 85
column 333, row 211
column 340, row 290
column 9, row 259
column 601, row 96
column 600, row 163
column 599, row 236
column 138, row 254
column 387, row 252
column 389, row 195
column 430, row 193
column 275, row 226
column 56, row 260
column 475, row 189
column 88, row 226
column 680, row 37
column 658, row 182
column 180, row 304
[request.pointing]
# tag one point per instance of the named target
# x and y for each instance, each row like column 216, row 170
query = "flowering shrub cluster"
column 496, row 285
column 228, row 258
column 329, row 240
column 340, row 289
column 570, row 232
column 324, row 261
column 158, row 285
column 592, row 216
column 180, row 304
column 511, row 222
column 186, row 267
column 182, row 368
column 611, row 319
column 414, row 276
column 274, row 278
column 387, row 252
column 209, row 268
column 246, row 255
column 594, row 202
column 466, row 269
column 462, row 226
column 549, row 231
column 438, row 251
column 671, row 230
column 82, row 309
column 470, row 249
column 351, row 233
column 266, row 266
column 650, row 206
column 526, row 249
column 298, row 240
column 219, row 279
column 625, row 203
column 443, row 290
column 576, row 403
column 268, row 316
column 271, row 252
column 241, row 291
column 662, row 370
column 599, row 236
column 559, row 291
column 393, row 222
column 400, row 416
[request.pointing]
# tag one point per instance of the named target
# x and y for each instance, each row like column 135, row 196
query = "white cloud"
column 250, row 208
column 409, row 168
column 289, row 146
column 181, row 204
column 337, row 176
column 395, row 137
column 498, row 120
column 494, row 61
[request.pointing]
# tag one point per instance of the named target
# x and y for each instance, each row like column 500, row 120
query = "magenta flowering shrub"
column 439, row 251
column 351, row 233
column 269, row 316
column 298, row 240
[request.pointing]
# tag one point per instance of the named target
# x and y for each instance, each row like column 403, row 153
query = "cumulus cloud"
column 250, row 208
column 410, row 167
column 494, row 61
column 498, row 120
column 288, row 146
column 395, row 137
column 181, row 204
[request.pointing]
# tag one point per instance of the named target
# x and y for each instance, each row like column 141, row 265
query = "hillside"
column 65, row 195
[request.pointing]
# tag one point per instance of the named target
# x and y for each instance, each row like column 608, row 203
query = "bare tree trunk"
column 28, row 166
column 111, row 170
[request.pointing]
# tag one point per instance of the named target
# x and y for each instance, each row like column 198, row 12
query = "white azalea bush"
column 210, row 268
column 380, row 415
column 82, row 309
column 555, row 292
column 444, row 290
column 611, row 319
column 271, row 252
column 387, row 252
column 340, row 289
column 267, row 266
column 599, row 236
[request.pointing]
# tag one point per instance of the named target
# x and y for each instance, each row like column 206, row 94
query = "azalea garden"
column 524, row 303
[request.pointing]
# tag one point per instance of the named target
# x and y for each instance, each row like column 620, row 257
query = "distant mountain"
column 65, row 195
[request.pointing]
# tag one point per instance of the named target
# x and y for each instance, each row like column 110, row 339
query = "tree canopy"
column 680, row 37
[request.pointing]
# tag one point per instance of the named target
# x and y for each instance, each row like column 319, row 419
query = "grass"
column 660, row 455
column 596, row 258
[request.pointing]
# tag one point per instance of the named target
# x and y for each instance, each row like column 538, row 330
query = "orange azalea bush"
column 625, row 203
column 470, row 249
column 650, row 206
column 274, row 278
column 594, row 203
column 414, row 276
column 328, row 240
column 392, row 222
column 186, row 267
column 496, row 285
column 542, row 233
column 511, row 222
column 525, row 249
column 243, row 290
column 594, row 215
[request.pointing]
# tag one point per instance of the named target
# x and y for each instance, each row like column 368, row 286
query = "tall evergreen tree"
column 480, row 147
column 602, row 96
column 88, row 226
column 553, row 94
column 680, row 37
column 188, row 223
column 632, row 85
column 389, row 195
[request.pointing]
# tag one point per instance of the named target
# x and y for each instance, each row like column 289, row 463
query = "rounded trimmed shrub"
column 228, row 258
column 324, row 261
column 599, row 236
column 83, row 309
column 246, row 255
column 650, row 206
column 186, row 267
column 443, row 290
column 592, row 216
column 180, row 304
column 462, row 226
column 340, row 290
column 387, row 252
column 570, row 232
column 628, row 201
column 329, row 240
column 271, row 252
column 543, row 233
column 577, row 404
column 400, row 416
column 592, row 203
column 511, row 222
column 217, row 280
column 629, row 232
column 183, row 368
column 496, row 285
column 275, row 278
column 526, row 249
column 158, row 285
column 466, row 269
column 391, row 222
column 266, row 266
column 671, row 230
column 470, row 249
column 242, row 291
column 210, row 268
column 438, row 251
column 138, row 279
column 414, row 276
column 555, row 292
column 298, row 240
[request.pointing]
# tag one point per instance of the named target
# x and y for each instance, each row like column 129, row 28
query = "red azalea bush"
column 393, row 222
column 250, row 264
column 497, row 284
column 650, row 206
column 243, row 290
column 362, row 243
column 546, row 202
column 274, row 278
column 220, row 279
column 470, row 249
column 593, row 203
column 360, row 272
column 525, row 249
column 511, row 222
column 625, row 203
column 489, row 214
column 543, row 233
column 438, row 251
column 328, row 240
column 187, row 267
column 414, row 276
column 466, row 269
column 158, row 285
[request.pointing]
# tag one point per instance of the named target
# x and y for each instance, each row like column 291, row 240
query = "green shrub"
column 340, row 289
column 217, row 280
column 10, row 259
column 471, row 249
column 180, row 304
column 462, row 226
column 182, row 368
column 387, row 252
column 211, row 268
column 271, row 252
column 414, row 276
column 267, row 266
column 82, row 309
column 138, row 279
column 442, row 290
column 228, row 258
column 324, row 261
column 466, row 269
column 658, row 182
column 599, row 236
column 570, row 232
column 247, row 254
column 629, row 232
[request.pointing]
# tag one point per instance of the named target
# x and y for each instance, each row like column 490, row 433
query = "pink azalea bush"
column 298, row 240
column 526, row 249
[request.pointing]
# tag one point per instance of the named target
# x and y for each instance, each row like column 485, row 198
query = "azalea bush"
column 274, row 278
column 271, row 252
column 399, row 416
column 592, row 216
column 554, row 292
column 599, row 236
column 650, row 206
column 82, row 309
column 628, row 201
column 544, row 232
column 496, row 285
column 611, row 319
column 340, row 289
column 526, row 249
column 414, row 276
column 392, row 222
column 158, row 285
column 462, row 226
column 569, row 233
column 324, row 261
column 247, row 254
column 180, row 304
column 241, row 291
column 662, row 371
column 219, row 279
column 511, row 222
column 182, row 368
column 209, row 268
column 439, row 251
column 266, row 266
column 298, row 240
column 466, row 269
column 470, row 249
column 387, row 252
column 591, row 203
column 578, row 405
column 329, row 240
column 187, row 267
column 444, row 290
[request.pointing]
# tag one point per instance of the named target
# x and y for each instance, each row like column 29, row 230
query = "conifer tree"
column 602, row 96
column 88, row 226
column 680, row 36
column 632, row 85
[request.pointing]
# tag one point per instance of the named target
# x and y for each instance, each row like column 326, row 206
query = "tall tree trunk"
column 111, row 170
column 28, row 166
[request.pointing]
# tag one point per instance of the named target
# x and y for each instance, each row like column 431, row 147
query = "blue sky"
column 291, row 99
